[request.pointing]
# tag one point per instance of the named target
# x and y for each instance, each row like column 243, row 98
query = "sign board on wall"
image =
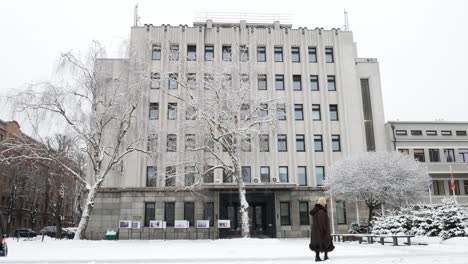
column 157, row 224
column 181, row 224
column 135, row 224
column 203, row 223
column 124, row 224
column 224, row 223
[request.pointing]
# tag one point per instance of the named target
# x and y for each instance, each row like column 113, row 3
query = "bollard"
column 43, row 234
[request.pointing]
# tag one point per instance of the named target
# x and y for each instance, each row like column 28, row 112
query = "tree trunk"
column 244, row 205
column 371, row 210
column 80, row 232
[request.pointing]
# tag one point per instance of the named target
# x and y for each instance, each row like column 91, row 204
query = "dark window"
column 336, row 143
column 465, row 186
column 300, row 143
column 449, row 155
column 329, row 58
column 246, row 173
column 189, row 141
column 319, row 175
column 431, row 132
column 246, row 143
column 446, row 132
column 318, row 143
column 367, row 111
column 295, row 54
column 416, row 132
column 169, row 213
column 419, row 155
column 262, row 82
column 282, row 143
column 243, row 53
column 314, row 83
column 170, row 176
column 244, row 81
column 244, row 111
column 333, row 112
column 155, row 82
column 208, row 80
column 227, row 175
column 152, row 143
column 208, row 212
column 278, row 54
column 191, row 113
column 265, row 174
column 283, row 174
column 189, row 175
column 302, row 176
column 401, row 132
column 279, row 82
column 151, row 176
column 150, row 213
column 312, row 55
column 173, row 85
column 297, row 84
column 316, row 115
column 154, row 111
column 156, row 54
column 438, row 187
column 171, row 111
column 227, row 53
column 331, row 83
column 171, row 143
column 281, row 111
column 189, row 212
column 174, row 52
column 191, row 52
column 434, row 155
column 457, row 187
column 303, row 213
column 299, row 112
column 192, row 80
column 285, row 214
column 261, row 54
column 460, row 132
column 463, row 154
column 209, row 52
column 264, row 143
column 263, row 110
column 341, row 212
column 208, row 175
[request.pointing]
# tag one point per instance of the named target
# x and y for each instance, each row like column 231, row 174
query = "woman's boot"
column 317, row 256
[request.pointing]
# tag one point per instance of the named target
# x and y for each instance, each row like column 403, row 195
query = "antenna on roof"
column 136, row 18
column 346, row 21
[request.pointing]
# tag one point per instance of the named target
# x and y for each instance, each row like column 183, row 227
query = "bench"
column 370, row 238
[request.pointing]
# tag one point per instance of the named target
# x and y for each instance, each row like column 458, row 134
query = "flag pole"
column 332, row 214
column 452, row 184
column 429, row 187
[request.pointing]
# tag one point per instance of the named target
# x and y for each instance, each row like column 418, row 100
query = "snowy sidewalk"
column 245, row 251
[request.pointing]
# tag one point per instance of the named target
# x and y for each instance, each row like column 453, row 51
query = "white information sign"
column 124, row 224
column 224, row 223
column 181, row 224
column 203, row 223
column 157, row 224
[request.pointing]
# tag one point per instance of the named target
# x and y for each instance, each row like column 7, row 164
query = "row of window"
column 285, row 213
column 226, row 51
column 438, row 187
column 430, row 132
column 191, row 113
column 190, row 173
column 246, row 143
column 434, row 155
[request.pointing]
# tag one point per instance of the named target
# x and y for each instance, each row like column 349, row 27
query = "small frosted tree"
column 378, row 178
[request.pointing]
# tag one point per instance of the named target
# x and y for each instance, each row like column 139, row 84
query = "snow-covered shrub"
column 394, row 223
column 358, row 228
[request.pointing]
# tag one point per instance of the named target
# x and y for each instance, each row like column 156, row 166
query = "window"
column 282, row 143
column 154, row 111
column 449, row 155
column 303, row 213
column 298, row 112
column 460, row 132
column 319, row 175
column 278, row 54
column 434, row 155
column 333, row 112
column 156, row 54
column 419, row 155
column 431, row 132
column 227, row 56
column 438, row 187
column 283, row 174
column 446, row 132
column 209, row 52
column 281, row 111
column 246, row 143
column 189, row 141
column 152, row 144
column 244, row 111
column 300, row 143
column 457, row 188
column 243, row 53
column 318, row 144
column 279, row 82
column 263, row 110
column 336, row 144
column 192, row 80
column 208, row 143
column 401, row 132
column 297, row 85
column 331, row 83
column 246, row 173
column 285, row 218
column 295, row 54
column 151, row 176
column 316, row 116
column 208, row 212
column 155, row 82
column 227, row 142
column 465, row 186
column 189, row 175
column 264, row 143
column 191, row 52
column 150, row 213
column 169, row 213
column 171, row 143
column 416, row 132
column 174, row 52
column 189, row 212
column 312, row 55
column 208, row 175
column 341, row 212
column 404, row 151
column 171, row 111
column 227, row 80
column 463, row 154
column 265, row 174
column 190, row 113
column 314, row 83
column 173, row 85
column 301, row 175
column 329, row 55
column 261, row 54
column 170, row 176
column 208, row 81
column 227, row 175
column 262, row 82
column 244, row 81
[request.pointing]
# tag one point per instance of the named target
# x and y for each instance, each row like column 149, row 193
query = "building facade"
column 442, row 147
column 334, row 110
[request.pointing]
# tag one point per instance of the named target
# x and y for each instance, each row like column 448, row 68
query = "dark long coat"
column 320, row 236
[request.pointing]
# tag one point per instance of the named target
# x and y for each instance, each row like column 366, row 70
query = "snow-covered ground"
column 245, row 251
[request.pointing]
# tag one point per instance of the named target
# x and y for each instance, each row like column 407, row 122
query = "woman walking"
column 320, row 237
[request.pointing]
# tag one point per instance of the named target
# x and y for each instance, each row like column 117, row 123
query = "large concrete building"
column 334, row 110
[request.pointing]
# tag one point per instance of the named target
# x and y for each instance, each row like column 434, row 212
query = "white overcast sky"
column 422, row 46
